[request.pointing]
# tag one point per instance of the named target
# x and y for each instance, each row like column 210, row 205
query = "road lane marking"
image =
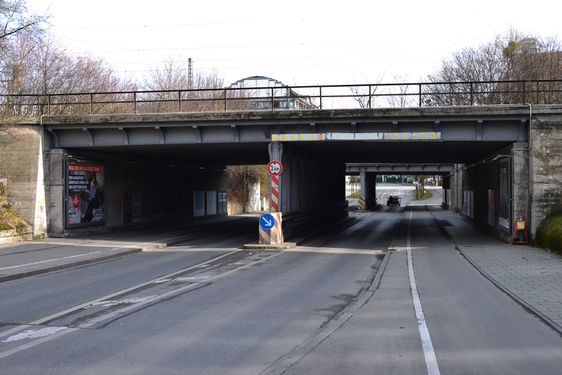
column 49, row 260
column 34, row 333
column 427, row 345
column 36, row 337
column 36, row 342
column 101, row 299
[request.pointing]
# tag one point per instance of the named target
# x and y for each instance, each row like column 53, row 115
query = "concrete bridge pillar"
column 456, row 188
column 311, row 189
column 306, row 182
column 546, row 167
column 520, row 181
column 369, row 189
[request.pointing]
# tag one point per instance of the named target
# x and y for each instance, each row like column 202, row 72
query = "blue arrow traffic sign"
column 267, row 221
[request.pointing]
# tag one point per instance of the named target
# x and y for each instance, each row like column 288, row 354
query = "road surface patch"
column 105, row 310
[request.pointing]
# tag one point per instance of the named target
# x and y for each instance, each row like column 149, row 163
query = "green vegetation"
column 9, row 220
column 549, row 232
column 357, row 194
column 421, row 194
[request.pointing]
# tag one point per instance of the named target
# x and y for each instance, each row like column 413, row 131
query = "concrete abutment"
column 311, row 189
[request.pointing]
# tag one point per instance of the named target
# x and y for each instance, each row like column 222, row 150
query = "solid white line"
column 427, row 345
column 49, row 260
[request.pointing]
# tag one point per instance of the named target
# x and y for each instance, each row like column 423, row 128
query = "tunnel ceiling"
column 346, row 152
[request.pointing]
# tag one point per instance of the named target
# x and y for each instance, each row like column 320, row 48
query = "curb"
column 281, row 246
column 60, row 267
column 511, row 294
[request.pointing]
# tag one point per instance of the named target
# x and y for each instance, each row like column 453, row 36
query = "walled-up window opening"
column 504, row 194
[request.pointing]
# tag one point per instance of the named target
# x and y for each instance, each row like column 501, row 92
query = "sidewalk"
column 531, row 276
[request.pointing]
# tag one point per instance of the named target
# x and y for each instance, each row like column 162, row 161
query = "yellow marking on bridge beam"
column 396, row 136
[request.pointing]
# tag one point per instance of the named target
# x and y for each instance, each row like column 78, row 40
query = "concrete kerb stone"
column 510, row 293
column 281, row 246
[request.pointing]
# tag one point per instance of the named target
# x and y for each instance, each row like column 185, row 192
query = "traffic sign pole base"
column 281, row 246
column 274, row 235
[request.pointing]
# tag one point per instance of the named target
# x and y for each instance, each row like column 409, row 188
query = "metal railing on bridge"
column 351, row 96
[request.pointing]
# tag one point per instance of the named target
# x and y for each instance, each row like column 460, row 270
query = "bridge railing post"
column 471, row 93
column 320, row 95
column 134, row 102
column 420, row 94
column 370, row 97
column 91, row 103
column 179, row 100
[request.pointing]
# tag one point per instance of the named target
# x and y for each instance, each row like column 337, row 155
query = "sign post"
column 275, row 168
column 270, row 231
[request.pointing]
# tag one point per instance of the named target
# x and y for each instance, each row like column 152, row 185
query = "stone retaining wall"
column 19, row 152
column 546, row 164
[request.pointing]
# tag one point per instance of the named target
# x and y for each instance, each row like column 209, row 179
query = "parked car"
column 393, row 200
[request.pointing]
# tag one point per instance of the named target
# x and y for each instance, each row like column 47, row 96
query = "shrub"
column 549, row 232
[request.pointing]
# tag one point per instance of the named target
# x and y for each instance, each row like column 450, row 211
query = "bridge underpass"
column 314, row 147
column 369, row 172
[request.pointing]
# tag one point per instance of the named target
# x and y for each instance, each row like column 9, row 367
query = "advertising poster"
column 85, row 188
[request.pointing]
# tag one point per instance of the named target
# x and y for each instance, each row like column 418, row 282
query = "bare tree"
column 510, row 57
column 365, row 96
column 171, row 79
column 14, row 18
column 400, row 95
column 38, row 74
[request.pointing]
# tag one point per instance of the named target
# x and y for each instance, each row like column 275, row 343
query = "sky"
column 298, row 42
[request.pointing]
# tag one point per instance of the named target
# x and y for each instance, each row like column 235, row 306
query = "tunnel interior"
column 159, row 183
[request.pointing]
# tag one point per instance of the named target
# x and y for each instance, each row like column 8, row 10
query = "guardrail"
column 319, row 97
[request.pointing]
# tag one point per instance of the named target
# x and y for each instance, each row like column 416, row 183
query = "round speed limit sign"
column 275, row 168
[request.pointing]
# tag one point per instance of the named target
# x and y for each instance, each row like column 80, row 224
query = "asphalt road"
column 406, row 194
column 341, row 304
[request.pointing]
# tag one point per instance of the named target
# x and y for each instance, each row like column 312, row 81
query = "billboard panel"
column 84, row 194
